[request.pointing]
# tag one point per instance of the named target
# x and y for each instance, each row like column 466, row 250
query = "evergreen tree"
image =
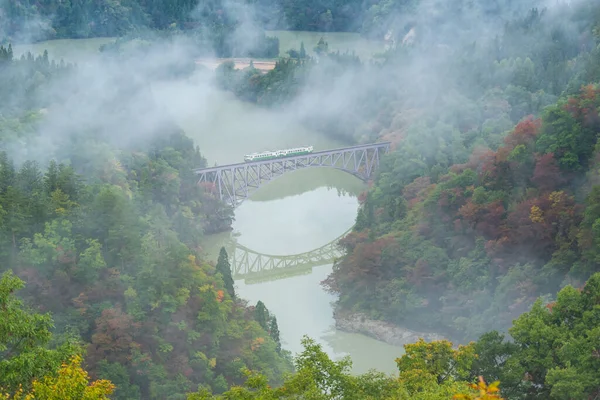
column 261, row 315
column 224, row 268
column 7, row 172
column 274, row 332
column 322, row 47
column 302, row 50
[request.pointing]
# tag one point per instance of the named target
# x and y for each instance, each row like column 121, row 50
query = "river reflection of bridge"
column 255, row 267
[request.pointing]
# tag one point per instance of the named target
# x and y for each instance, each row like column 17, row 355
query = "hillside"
column 484, row 204
column 107, row 240
column 465, row 226
column 482, row 224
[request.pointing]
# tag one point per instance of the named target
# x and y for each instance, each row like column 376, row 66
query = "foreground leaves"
column 320, row 378
column 72, row 383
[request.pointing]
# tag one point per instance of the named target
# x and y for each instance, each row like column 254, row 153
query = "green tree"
column 318, row 377
column 261, row 315
column 558, row 344
column 71, row 383
column 322, row 47
column 224, row 268
column 274, row 332
column 24, row 336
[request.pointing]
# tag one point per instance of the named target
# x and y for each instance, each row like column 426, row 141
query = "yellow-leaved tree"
column 71, row 383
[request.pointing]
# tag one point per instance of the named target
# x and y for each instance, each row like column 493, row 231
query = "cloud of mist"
column 248, row 32
column 243, row 22
column 117, row 99
column 424, row 72
column 34, row 26
column 124, row 101
column 106, row 98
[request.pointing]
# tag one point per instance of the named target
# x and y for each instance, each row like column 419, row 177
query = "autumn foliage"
column 500, row 228
column 71, row 383
column 484, row 391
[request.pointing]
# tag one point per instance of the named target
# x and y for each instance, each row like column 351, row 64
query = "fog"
column 124, row 99
column 112, row 98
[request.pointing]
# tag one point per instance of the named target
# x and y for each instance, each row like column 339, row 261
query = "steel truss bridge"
column 236, row 182
column 255, row 267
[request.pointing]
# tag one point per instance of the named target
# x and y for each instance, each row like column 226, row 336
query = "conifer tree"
column 224, row 268
column 261, row 315
column 274, row 332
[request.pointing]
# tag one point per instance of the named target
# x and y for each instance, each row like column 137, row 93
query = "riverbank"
column 380, row 330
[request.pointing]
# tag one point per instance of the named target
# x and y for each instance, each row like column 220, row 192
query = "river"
column 293, row 215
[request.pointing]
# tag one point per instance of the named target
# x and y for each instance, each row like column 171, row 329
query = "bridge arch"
column 236, row 182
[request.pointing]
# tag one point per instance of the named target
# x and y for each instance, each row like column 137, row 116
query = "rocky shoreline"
column 380, row 330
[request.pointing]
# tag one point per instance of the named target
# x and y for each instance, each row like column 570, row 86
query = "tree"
column 261, row 315
column 113, row 337
column 302, row 53
column 546, row 174
column 322, row 47
column 71, row 383
column 24, row 336
column 557, row 345
column 484, row 391
column 318, row 377
column 437, row 359
column 224, row 268
column 274, row 332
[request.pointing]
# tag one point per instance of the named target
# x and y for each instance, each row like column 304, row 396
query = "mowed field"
column 70, row 50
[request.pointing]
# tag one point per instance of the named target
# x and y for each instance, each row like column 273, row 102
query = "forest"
column 51, row 19
column 110, row 253
column 486, row 202
column 489, row 202
column 482, row 224
column 234, row 28
column 481, row 211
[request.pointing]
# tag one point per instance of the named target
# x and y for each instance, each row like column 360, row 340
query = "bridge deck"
column 315, row 153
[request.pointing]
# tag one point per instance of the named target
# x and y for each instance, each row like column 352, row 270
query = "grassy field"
column 76, row 50
column 70, row 50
